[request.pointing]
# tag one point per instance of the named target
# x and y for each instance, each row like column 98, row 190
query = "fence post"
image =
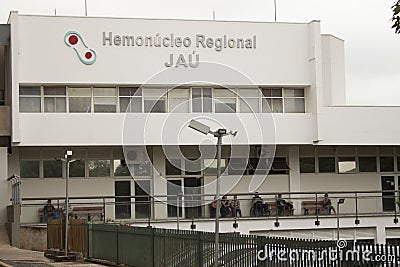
column 152, row 249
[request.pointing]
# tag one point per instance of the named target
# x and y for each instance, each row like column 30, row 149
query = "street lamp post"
column 68, row 160
column 204, row 129
column 340, row 201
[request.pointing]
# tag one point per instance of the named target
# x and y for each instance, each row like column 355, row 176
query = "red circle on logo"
column 73, row 39
column 88, row 55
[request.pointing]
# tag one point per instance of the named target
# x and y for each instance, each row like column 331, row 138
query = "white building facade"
column 102, row 86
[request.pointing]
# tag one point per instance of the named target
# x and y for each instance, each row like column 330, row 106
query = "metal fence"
column 153, row 247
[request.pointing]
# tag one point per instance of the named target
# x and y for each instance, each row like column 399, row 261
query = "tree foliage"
column 396, row 16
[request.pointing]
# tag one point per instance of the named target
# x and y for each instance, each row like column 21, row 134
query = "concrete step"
column 3, row 236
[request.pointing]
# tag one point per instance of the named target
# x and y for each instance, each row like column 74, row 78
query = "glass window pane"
column 250, row 92
column 173, row 168
column 52, row 169
column 248, row 105
column 347, row 165
column 104, row 91
column 210, row 166
column 294, row 105
column 225, row 105
column 207, row 104
column 276, row 105
column 207, row 92
column 130, row 91
column 307, row 165
column 29, row 168
column 29, row 90
column 179, row 93
column 192, row 167
column 99, row 168
column 367, row 164
column 105, row 104
column 120, row 168
column 154, row 92
column 276, row 92
column 54, row 104
column 196, row 92
column 77, row 169
column 266, row 92
column 197, row 105
column 266, row 107
column 123, row 104
column 224, row 93
column 387, row 164
column 293, row 92
column 142, row 169
column 79, row 92
column 156, row 106
column 326, row 164
column 54, row 91
column 29, row 104
column 79, row 104
column 178, row 105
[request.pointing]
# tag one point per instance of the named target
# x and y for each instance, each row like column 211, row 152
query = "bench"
column 272, row 207
column 316, row 206
column 89, row 212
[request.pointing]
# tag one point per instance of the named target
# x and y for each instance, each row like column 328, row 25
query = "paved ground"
column 14, row 257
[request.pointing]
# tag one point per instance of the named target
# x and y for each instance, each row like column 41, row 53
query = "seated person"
column 225, row 207
column 259, row 205
column 327, row 204
column 213, row 208
column 283, row 204
column 235, row 207
column 48, row 211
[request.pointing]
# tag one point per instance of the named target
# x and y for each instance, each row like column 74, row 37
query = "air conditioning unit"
column 134, row 154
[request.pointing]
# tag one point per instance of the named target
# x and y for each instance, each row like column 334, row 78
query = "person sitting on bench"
column 48, row 211
column 327, row 204
column 283, row 204
column 259, row 205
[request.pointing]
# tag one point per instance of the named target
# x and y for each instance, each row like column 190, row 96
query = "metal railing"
column 196, row 207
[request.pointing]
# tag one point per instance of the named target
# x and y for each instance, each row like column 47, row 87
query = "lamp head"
column 200, row 127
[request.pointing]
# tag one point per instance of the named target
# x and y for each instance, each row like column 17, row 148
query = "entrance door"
column 388, row 198
column 142, row 198
column 122, row 202
column 192, row 197
column 174, row 187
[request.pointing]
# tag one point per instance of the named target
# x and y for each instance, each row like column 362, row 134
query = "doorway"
column 388, row 198
column 122, row 199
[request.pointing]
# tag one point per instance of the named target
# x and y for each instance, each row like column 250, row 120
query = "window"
column 52, row 168
column 279, row 166
column 387, row 164
column 293, row 100
column 54, row 99
column 243, row 166
column 142, row 169
column 178, row 100
column 120, row 168
column 173, row 167
column 201, row 100
column 326, row 164
column 29, row 168
column 99, row 168
column 132, row 95
column 154, row 100
column 347, row 165
column 367, row 164
column 29, row 99
column 80, row 100
column 77, row 169
column 225, row 101
column 249, row 100
column 287, row 100
column 192, row 167
column 272, row 100
column 105, row 100
column 210, row 166
column 307, row 165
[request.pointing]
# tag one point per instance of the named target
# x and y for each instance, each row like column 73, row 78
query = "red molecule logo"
column 88, row 55
column 73, row 39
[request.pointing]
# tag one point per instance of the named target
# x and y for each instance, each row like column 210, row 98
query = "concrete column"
column 294, row 176
column 380, row 234
column 4, row 185
column 159, row 182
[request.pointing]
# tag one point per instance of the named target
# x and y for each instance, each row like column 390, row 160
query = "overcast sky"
column 372, row 50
